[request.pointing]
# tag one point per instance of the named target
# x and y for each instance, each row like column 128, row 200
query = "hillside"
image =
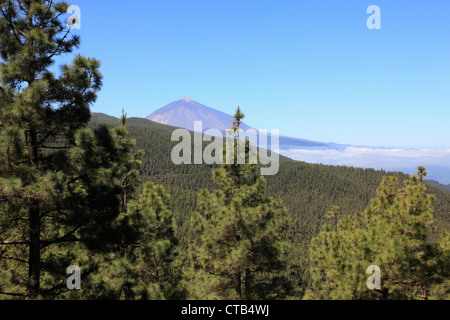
column 307, row 190
column 445, row 187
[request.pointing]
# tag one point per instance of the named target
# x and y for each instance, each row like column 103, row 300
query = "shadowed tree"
column 60, row 183
column 148, row 264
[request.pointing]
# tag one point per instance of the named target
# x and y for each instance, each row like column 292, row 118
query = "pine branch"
column 41, row 141
column 13, row 294
column 59, row 44
column 45, row 244
column 14, row 242
column 53, row 291
column 14, row 259
column 18, row 218
column 13, row 26
column 21, row 7
column 64, row 239
column 54, row 148
column 49, row 6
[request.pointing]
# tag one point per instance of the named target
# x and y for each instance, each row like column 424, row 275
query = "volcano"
column 182, row 113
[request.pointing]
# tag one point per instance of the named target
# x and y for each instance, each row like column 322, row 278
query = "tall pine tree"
column 241, row 246
column 60, row 183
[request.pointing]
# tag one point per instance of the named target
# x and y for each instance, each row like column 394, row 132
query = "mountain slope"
column 445, row 187
column 307, row 190
column 182, row 113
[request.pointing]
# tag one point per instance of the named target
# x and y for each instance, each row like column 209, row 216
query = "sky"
column 311, row 69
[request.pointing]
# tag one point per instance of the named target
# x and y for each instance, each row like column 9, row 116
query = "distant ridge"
column 445, row 187
column 182, row 113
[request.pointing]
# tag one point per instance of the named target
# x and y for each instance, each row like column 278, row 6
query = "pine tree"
column 238, row 116
column 241, row 247
column 129, row 169
column 59, row 181
column 391, row 233
column 148, row 264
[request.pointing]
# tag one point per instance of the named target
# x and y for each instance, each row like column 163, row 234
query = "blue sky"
column 309, row 68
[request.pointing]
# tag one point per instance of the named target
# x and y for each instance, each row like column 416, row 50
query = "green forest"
column 101, row 193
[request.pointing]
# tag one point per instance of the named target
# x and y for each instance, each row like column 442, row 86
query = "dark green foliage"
column 60, row 182
column 308, row 191
column 241, row 236
column 157, row 260
column 147, row 264
column 391, row 234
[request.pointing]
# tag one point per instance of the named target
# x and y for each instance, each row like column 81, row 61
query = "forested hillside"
column 445, row 187
column 308, row 191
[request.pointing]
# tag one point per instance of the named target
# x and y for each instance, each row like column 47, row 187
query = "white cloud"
column 378, row 158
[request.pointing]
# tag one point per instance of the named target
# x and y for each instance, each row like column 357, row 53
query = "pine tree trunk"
column 425, row 293
column 239, row 285
column 385, row 293
column 34, row 265
column 125, row 206
column 247, row 284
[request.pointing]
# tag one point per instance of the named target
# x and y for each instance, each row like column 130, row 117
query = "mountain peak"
column 183, row 113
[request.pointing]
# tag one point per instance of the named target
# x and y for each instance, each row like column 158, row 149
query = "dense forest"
column 308, row 191
column 99, row 197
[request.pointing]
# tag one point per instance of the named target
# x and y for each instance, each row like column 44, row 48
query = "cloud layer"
column 379, row 158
